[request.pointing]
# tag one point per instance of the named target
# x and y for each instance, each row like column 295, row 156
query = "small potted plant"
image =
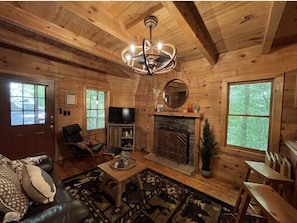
column 125, row 157
column 206, row 149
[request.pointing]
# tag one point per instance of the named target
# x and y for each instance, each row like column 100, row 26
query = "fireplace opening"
column 173, row 145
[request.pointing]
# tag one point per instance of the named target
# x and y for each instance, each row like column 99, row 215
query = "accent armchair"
column 81, row 146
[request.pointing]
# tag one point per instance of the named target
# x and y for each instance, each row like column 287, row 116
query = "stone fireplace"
column 176, row 136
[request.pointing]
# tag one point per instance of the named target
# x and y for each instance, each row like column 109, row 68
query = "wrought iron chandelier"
column 150, row 58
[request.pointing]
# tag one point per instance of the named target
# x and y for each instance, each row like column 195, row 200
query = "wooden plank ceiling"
column 93, row 34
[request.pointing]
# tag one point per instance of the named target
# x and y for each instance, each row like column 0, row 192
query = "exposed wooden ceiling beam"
column 105, row 67
column 105, row 21
column 100, row 18
column 36, row 24
column 141, row 17
column 189, row 19
column 275, row 14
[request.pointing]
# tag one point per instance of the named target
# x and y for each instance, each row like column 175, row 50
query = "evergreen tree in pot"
column 206, row 149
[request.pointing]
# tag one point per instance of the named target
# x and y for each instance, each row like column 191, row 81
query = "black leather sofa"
column 64, row 208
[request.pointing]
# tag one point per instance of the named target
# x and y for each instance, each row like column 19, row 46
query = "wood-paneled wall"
column 205, row 89
column 69, row 79
column 204, row 82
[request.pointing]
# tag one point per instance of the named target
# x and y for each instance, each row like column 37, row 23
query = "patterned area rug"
column 163, row 200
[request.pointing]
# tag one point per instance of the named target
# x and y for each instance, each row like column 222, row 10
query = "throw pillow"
column 38, row 184
column 12, row 197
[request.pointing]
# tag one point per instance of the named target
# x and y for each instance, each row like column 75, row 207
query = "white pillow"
column 38, row 184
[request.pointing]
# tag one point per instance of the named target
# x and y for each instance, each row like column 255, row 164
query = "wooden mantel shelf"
column 179, row 114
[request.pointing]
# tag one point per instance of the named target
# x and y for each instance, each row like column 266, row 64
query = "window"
column 27, row 104
column 249, row 115
column 258, row 111
column 95, row 109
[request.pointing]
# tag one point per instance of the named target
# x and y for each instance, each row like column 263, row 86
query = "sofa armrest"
column 74, row 211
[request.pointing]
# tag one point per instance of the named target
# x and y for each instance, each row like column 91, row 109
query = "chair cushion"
column 96, row 147
column 38, row 184
column 12, row 197
column 115, row 150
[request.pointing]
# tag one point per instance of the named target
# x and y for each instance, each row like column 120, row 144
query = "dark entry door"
column 26, row 116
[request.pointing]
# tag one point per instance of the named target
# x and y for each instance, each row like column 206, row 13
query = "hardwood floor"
column 211, row 186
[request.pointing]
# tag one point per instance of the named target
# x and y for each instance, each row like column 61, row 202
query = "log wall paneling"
column 289, row 117
column 122, row 91
column 68, row 79
column 204, row 83
column 205, row 89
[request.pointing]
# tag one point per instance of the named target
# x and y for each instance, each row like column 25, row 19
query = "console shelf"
column 121, row 135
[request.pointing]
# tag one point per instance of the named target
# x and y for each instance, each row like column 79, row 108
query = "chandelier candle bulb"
column 132, row 49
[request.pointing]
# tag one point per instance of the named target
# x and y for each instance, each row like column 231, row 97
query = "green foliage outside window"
column 95, row 109
column 249, row 115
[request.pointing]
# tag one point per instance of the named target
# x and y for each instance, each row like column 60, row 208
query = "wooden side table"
column 272, row 205
column 269, row 175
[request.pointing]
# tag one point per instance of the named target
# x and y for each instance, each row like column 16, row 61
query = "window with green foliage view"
column 95, row 109
column 249, row 115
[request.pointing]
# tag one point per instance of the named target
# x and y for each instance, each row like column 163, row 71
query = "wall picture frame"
column 70, row 99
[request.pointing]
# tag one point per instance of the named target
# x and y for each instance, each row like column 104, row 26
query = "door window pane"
column 27, row 104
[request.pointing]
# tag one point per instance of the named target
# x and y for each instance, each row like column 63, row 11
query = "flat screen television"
column 121, row 115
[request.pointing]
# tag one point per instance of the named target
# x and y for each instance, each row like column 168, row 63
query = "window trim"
column 276, row 113
column 90, row 89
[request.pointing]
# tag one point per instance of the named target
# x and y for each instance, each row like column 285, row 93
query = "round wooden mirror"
column 175, row 93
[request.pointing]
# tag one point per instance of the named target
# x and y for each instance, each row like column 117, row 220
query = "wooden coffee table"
column 121, row 177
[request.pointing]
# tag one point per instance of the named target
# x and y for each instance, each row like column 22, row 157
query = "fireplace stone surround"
column 182, row 122
column 176, row 125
